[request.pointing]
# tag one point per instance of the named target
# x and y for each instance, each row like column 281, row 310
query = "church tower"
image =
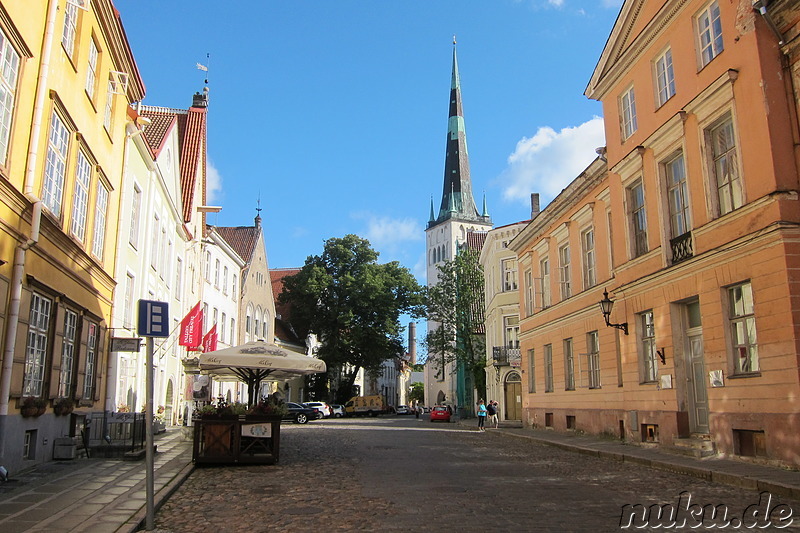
column 447, row 230
column 458, row 213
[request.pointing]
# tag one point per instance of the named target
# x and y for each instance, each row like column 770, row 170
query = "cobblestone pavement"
column 405, row 474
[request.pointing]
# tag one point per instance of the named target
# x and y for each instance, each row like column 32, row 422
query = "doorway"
column 694, row 358
column 513, row 396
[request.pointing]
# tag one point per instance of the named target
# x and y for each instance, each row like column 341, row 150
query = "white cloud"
column 550, row 160
column 388, row 234
column 556, row 3
column 213, row 183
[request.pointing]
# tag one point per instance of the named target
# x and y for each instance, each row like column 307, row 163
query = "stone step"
column 698, row 446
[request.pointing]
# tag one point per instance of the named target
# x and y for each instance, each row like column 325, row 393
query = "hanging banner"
column 192, row 328
column 210, row 340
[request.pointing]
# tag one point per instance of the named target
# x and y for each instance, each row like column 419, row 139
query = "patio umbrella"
column 255, row 361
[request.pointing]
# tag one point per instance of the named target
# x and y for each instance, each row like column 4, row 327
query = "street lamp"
column 606, row 305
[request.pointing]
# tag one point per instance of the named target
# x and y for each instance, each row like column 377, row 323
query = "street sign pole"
column 153, row 322
column 149, row 453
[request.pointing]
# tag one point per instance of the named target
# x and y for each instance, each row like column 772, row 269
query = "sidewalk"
column 739, row 473
column 97, row 495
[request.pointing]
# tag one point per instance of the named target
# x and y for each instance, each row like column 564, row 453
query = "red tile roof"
column 242, row 239
column 283, row 326
column 475, row 240
column 192, row 141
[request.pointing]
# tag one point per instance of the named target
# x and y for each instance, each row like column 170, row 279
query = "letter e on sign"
column 153, row 319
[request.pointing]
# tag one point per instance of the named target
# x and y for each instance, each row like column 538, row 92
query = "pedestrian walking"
column 491, row 410
column 481, row 415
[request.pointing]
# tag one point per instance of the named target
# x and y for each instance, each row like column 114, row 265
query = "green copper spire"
column 432, row 217
column 457, row 199
column 485, row 212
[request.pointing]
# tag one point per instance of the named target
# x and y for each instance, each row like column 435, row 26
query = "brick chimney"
column 534, row 205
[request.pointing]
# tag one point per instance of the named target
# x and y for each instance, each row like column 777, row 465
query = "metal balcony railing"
column 504, row 356
column 681, row 247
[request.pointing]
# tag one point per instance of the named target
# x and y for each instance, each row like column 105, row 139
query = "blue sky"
column 334, row 112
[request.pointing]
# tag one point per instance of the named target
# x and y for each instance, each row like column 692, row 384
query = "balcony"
column 505, row 356
column 681, row 247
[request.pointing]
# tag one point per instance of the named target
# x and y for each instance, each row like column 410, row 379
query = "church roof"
column 283, row 319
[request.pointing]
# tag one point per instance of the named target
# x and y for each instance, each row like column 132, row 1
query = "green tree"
column 457, row 305
column 417, row 392
column 354, row 305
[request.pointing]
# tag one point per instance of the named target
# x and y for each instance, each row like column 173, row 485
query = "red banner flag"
column 210, row 340
column 192, row 328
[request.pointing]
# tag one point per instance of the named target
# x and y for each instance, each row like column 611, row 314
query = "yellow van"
column 365, row 405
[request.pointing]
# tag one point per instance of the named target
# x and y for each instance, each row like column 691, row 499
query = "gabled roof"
column 242, row 239
column 618, row 41
column 283, row 326
column 155, row 133
column 191, row 140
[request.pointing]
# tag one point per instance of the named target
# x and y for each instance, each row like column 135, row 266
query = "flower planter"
column 29, row 412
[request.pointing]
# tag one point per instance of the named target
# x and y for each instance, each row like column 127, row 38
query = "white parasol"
column 255, row 361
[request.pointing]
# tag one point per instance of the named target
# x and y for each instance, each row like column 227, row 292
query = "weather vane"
column 454, row 38
column 204, row 68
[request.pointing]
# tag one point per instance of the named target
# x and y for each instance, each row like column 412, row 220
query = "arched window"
column 257, row 328
column 265, row 327
column 248, row 324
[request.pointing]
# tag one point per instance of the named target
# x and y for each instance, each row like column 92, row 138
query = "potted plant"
column 33, row 406
column 221, row 410
column 269, row 407
column 63, row 406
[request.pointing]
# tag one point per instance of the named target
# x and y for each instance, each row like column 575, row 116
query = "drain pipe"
column 761, row 7
column 18, row 271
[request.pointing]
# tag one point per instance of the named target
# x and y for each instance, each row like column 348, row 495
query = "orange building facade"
column 689, row 219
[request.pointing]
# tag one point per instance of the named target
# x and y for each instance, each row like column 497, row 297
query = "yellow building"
column 694, row 234
column 68, row 78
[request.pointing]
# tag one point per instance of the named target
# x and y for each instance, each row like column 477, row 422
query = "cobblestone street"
column 404, row 474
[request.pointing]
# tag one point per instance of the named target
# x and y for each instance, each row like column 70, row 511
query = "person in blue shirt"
column 481, row 415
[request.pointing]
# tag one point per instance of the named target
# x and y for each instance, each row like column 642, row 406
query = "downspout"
column 12, row 320
column 761, row 7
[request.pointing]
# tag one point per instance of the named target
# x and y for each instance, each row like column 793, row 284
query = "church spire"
column 457, row 199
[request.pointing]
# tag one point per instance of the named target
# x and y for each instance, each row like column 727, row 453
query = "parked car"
column 337, row 410
column 323, row 408
column 440, row 412
column 402, row 410
column 300, row 413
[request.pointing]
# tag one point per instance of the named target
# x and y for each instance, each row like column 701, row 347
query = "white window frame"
column 544, row 271
column 647, row 344
column 9, row 75
column 511, row 331
column 709, row 33
column 91, row 360
column 637, row 217
column 665, row 77
column 589, row 258
column 91, row 70
column 569, row 364
column 627, row 113
column 509, row 268
column 680, row 220
column 742, row 320
column 100, row 215
column 593, row 359
column 70, row 31
column 725, row 166
column 56, row 165
column 548, row 368
column 80, row 196
column 529, row 292
column 127, row 310
column 136, row 210
column 565, row 280
column 68, row 352
column 37, row 346
column 531, row 371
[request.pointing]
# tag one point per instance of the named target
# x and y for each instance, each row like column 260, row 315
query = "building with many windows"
column 694, row 236
column 67, row 81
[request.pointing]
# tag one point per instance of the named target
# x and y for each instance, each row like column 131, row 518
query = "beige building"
column 503, row 376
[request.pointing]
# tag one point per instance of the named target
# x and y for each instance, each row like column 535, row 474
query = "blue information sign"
column 153, row 319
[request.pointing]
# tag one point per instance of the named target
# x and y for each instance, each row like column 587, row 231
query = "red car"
column 440, row 412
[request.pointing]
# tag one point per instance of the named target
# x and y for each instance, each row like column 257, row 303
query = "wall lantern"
column 606, row 305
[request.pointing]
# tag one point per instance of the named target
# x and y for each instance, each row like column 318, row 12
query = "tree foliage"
column 417, row 392
column 353, row 304
column 456, row 304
